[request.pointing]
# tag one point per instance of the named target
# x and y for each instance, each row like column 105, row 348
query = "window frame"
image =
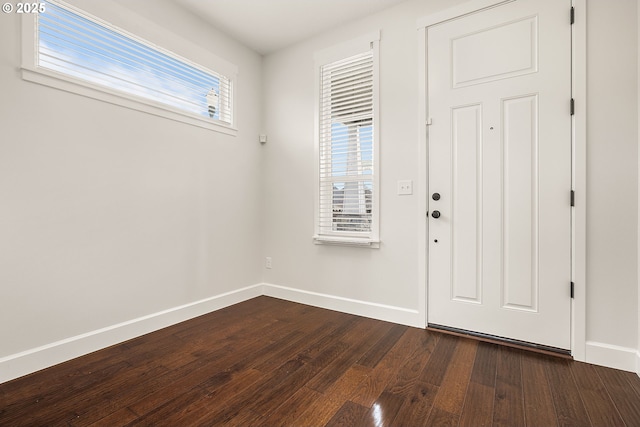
column 365, row 43
column 33, row 73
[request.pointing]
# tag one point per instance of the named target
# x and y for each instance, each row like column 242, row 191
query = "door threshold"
column 507, row 342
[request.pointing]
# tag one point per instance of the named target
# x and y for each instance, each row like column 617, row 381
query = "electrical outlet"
column 267, row 262
column 405, row 187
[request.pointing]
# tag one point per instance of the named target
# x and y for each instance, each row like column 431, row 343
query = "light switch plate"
column 405, row 187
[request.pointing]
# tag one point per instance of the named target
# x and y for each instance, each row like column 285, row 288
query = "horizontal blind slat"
column 76, row 45
column 90, row 47
column 346, row 146
column 113, row 79
column 83, row 27
column 53, row 49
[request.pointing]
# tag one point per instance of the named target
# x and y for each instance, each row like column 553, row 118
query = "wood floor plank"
column 49, row 386
column 61, row 406
column 126, row 386
column 360, row 341
column 342, row 328
column 566, row 397
column 484, row 366
column 634, row 380
column 538, row 402
column 91, row 407
column 291, row 411
column 478, row 406
column 370, row 389
column 279, row 387
column 203, row 411
column 307, row 334
column 450, row 398
column 272, row 362
column 248, row 314
column 120, row 417
column 320, row 411
column 172, row 411
column 238, row 383
column 508, row 403
column 409, row 371
column 440, row 417
column 439, row 360
column 601, row 409
column 417, row 406
column 351, row 414
column 246, row 417
column 42, row 385
column 371, row 358
column 272, row 355
column 261, row 392
column 385, row 409
column 208, row 370
column 625, row 397
column 230, row 405
column 279, row 393
column 166, row 387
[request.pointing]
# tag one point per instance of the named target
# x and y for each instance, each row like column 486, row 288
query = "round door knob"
column 436, row 196
column 435, row 214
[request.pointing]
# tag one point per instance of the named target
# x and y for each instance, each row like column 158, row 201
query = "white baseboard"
column 613, row 356
column 35, row 359
column 26, row 362
column 383, row 312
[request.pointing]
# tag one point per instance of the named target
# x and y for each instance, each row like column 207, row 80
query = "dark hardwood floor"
column 267, row 362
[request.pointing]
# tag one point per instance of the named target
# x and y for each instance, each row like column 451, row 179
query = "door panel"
column 500, row 156
column 507, row 50
column 467, row 238
column 520, row 205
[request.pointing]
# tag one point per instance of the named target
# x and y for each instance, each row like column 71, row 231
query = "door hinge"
column 572, row 107
column 573, row 198
column 572, row 289
column 573, row 15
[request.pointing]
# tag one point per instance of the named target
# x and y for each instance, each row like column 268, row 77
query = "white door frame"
column 579, row 166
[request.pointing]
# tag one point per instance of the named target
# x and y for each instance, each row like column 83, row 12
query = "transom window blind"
column 346, row 147
column 78, row 46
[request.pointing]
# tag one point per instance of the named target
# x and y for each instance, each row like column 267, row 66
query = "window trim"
column 33, row 73
column 335, row 53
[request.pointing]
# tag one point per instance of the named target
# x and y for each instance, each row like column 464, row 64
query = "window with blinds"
column 347, row 185
column 77, row 45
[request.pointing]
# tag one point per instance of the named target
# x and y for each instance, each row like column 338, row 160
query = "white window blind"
column 347, row 189
column 77, row 45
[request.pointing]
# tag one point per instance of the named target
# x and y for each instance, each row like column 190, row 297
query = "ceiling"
column 269, row 25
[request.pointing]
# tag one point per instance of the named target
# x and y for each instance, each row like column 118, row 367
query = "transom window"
column 79, row 47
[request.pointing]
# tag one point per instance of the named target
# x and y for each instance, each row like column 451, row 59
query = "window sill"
column 69, row 84
column 347, row 241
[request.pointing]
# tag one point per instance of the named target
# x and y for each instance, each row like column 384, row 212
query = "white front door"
column 499, row 90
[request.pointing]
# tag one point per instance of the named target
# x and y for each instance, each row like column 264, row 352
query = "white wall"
column 109, row 214
column 390, row 275
column 612, row 179
column 638, row 124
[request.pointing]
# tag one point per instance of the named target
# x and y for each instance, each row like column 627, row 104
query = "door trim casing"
column 579, row 164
